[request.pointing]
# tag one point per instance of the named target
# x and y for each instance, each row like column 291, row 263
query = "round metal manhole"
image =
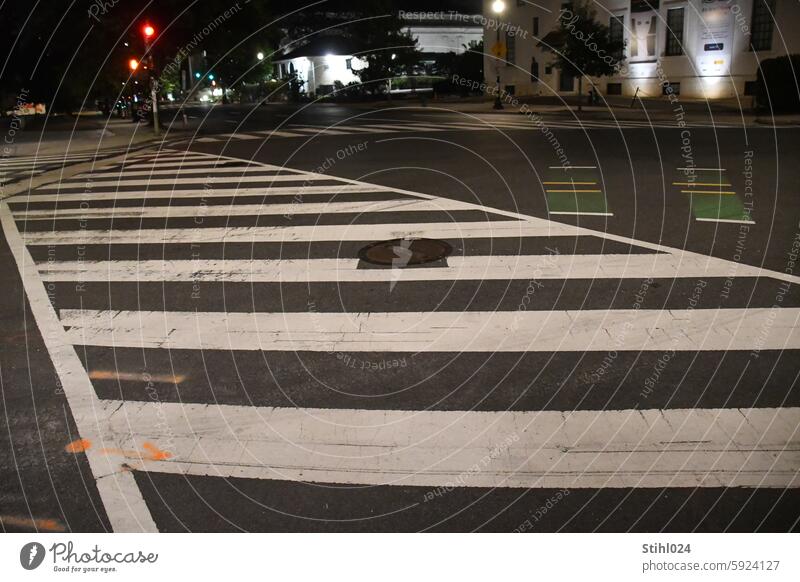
column 405, row 252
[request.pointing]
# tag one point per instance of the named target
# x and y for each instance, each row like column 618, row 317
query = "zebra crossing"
column 20, row 167
column 213, row 321
column 470, row 123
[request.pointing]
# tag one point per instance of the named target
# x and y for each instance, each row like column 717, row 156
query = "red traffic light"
column 133, row 64
column 148, row 31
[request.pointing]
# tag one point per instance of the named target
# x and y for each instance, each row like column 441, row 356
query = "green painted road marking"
column 709, row 204
column 575, row 190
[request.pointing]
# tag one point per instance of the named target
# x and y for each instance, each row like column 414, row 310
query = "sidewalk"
column 62, row 135
column 611, row 108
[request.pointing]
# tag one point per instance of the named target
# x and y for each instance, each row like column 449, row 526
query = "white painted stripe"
column 276, row 133
column 581, row 213
column 321, row 130
column 170, row 157
column 239, row 135
column 543, row 449
column 725, row 220
column 184, row 171
column 199, row 180
column 122, row 500
column 181, row 165
column 348, row 128
column 336, row 232
column 38, row 164
column 703, row 169
column 404, row 205
column 207, row 140
column 203, row 193
column 439, row 331
column 572, row 167
column 476, row 268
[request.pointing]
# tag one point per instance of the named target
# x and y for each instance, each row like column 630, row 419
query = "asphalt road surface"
column 568, row 327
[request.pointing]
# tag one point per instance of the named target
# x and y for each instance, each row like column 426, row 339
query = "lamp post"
column 498, row 7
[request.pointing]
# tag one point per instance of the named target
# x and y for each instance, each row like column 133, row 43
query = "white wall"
column 325, row 70
column 445, row 39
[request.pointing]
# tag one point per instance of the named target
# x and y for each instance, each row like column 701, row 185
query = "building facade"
column 330, row 58
column 704, row 49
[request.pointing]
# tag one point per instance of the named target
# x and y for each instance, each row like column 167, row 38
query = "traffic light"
column 133, row 64
column 148, row 31
column 197, row 75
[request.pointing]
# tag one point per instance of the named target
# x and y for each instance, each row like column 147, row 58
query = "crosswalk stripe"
column 306, row 176
column 444, row 230
column 459, row 268
column 405, row 205
column 200, row 193
column 586, row 330
column 189, row 164
column 185, row 171
column 550, row 449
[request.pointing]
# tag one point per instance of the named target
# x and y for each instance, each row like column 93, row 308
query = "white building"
column 705, row 48
column 443, row 32
column 330, row 58
column 320, row 63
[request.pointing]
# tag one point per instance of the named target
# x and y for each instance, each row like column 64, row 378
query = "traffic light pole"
column 154, row 98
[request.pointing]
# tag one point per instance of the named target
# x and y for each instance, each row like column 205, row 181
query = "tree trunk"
column 580, row 93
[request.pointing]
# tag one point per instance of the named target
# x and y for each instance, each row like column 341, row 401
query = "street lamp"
column 260, row 56
column 498, row 7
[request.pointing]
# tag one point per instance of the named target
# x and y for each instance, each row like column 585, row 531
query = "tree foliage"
column 581, row 45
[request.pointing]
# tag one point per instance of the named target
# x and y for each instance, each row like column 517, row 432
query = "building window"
column 534, row 70
column 674, row 32
column 614, row 89
column 751, row 88
column 671, row 89
column 548, row 69
column 349, row 64
column 615, row 35
column 762, row 24
column 511, row 49
column 511, row 89
column 535, row 26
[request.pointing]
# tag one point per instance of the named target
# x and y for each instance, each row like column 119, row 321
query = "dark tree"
column 582, row 46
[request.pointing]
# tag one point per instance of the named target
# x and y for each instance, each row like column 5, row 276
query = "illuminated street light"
column 133, row 64
column 498, row 6
column 260, row 56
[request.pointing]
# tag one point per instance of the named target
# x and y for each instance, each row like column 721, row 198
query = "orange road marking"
column 151, row 452
column 718, row 192
column 136, row 377
column 38, row 524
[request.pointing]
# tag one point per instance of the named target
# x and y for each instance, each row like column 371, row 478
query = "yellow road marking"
column 698, row 184
column 708, row 192
column 576, row 191
column 568, row 183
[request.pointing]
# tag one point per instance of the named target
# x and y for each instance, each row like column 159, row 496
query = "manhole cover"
column 400, row 252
